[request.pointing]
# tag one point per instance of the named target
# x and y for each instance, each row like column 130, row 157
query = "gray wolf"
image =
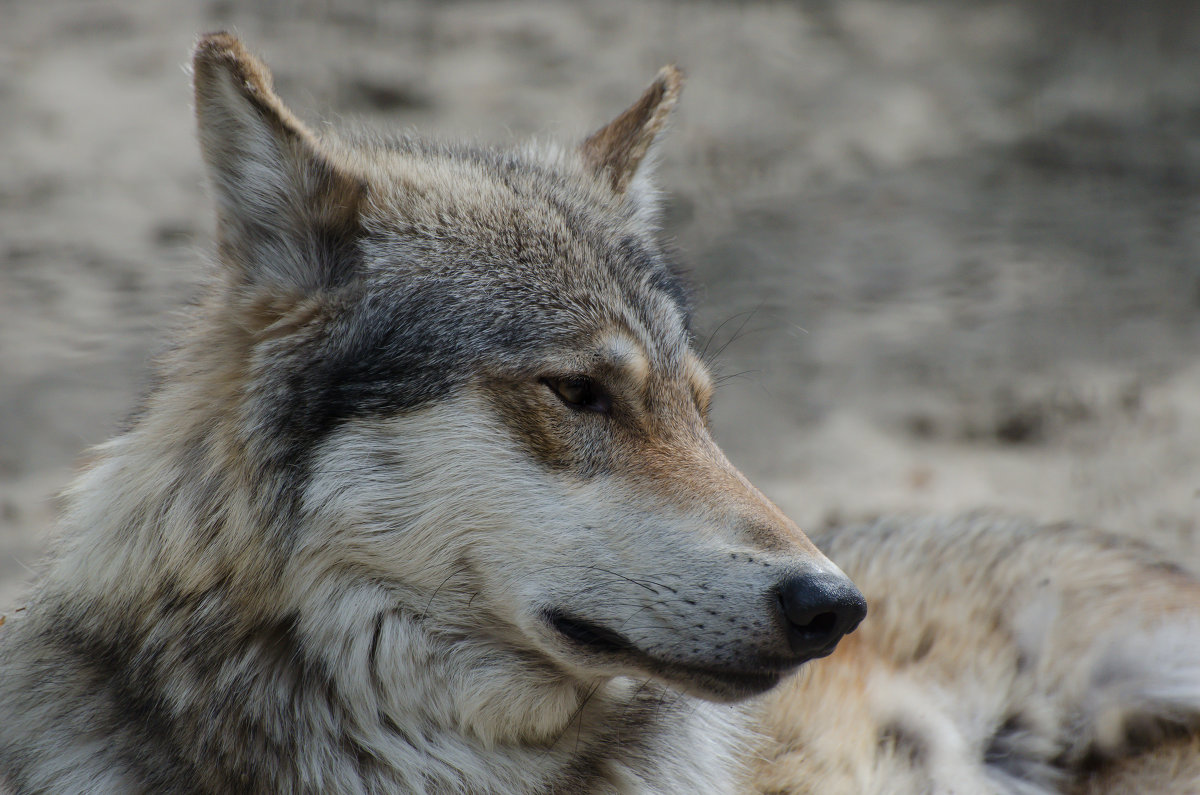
column 424, row 499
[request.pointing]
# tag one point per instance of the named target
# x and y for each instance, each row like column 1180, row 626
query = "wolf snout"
column 817, row 610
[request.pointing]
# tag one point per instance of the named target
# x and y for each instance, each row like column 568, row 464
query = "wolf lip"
column 720, row 683
column 585, row 633
column 727, row 682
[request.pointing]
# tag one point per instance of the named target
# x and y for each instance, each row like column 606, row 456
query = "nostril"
column 801, row 617
column 821, row 624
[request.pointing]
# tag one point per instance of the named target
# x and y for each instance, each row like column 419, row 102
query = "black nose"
column 818, row 609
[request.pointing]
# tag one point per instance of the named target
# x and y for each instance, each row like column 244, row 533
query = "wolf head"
column 460, row 382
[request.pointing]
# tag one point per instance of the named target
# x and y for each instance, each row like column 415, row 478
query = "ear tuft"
column 221, row 62
column 287, row 214
column 615, row 151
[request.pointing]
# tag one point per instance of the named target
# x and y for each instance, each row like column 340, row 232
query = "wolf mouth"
column 729, row 682
column 589, row 635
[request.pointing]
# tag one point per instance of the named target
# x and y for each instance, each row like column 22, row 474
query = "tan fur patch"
column 700, row 380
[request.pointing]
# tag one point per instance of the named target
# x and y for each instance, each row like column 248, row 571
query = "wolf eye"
column 580, row 393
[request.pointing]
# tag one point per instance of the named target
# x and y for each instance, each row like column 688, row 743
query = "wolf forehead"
column 527, row 238
column 462, row 251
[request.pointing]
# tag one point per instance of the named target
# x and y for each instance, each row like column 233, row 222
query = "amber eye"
column 580, row 393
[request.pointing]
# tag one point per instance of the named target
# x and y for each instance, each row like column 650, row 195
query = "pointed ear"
column 615, row 151
column 286, row 214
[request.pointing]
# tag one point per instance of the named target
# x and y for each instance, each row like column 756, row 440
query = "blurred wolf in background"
column 424, row 500
column 1000, row 656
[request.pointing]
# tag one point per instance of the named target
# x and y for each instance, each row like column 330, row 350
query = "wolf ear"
column 615, row 151
column 286, row 215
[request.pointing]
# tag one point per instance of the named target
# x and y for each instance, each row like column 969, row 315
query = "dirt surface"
column 947, row 252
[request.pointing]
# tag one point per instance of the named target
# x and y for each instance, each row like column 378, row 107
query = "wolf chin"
column 424, row 499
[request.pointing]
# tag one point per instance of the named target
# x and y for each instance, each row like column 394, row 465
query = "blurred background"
column 946, row 251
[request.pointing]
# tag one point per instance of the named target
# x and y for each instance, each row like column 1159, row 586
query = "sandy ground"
column 948, row 252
